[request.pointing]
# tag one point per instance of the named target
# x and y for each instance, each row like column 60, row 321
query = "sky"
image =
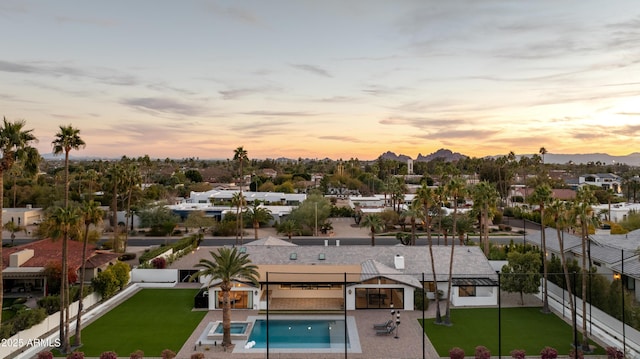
column 330, row 78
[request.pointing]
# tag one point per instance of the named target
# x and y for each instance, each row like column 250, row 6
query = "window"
column 467, row 291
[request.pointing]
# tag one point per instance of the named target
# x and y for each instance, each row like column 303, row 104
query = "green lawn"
column 522, row 328
column 152, row 320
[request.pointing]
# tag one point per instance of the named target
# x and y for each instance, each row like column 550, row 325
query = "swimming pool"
column 299, row 333
column 236, row 328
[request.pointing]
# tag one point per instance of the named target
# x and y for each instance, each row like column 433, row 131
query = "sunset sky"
column 335, row 79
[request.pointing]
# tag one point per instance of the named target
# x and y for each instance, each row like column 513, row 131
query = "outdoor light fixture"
column 397, row 324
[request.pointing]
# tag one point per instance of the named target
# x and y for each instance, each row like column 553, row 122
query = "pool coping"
column 239, row 344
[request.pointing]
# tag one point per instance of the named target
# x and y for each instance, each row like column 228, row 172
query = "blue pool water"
column 293, row 333
column 236, row 328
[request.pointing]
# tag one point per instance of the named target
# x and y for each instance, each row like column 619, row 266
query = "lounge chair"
column 386, row 331
column 383, row 325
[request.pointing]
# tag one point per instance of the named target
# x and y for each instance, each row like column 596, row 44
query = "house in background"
column 23, row 266
column 23, row 216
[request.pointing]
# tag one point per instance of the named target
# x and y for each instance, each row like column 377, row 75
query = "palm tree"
column 456, row 189
column 542, row 152
column 62, row 222
column 374, row 222
column 13, row 227
column 114, row 180
column 131, row 180
column 238, row 201
column 240, row 155
column 412, row 212
column 227, row 265
column 15, row 143
column 484, row 199
column 585, row 218
column 560, row 212
column 542, row 196
column 289, row 228
column 427, row 197
column 258, row 214
column 92, row 214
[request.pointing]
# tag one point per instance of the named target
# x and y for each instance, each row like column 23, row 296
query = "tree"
column 560, row 213
column 227, row 265
column 427, row 197
column 258, row 215
column 240, row 155
column 413, row 212
column 114, row 181
column 198, row 219
column 239, row 201
column 312, row 212
column 289, row 228
column 484, row 196
column 15, row 143
column 131, row 180
column 585, row 218
column 160, row 219
column 456, row 188
column 374, row 223
column 63, row 221
column 13, row 228
column 542, row 196
column 521, row 274
column 92, row 214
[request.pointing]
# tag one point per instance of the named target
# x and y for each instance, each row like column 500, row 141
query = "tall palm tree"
column 240, row 155
column 92, row 214
column 560, row 212
column 131, row 180
column 67, row 139
column 427, row 197
column 374, row 222
column 258, row 214
column 413, row 212
column 542, row 152
column 64, row 222
column 15, row 143
column 114, row 180
column 239, row 201
column 585, row 218
column 484, row 196
column 227, row 265
column 456, row 188
column 542, row 196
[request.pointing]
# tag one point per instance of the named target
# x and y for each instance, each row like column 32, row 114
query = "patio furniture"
column 383, row 325
column 386, row 331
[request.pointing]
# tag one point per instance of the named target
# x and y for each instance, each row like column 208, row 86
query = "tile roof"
column 101, row 258
column 48, row 250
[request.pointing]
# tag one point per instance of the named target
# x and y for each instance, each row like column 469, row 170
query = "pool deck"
column 408, row 344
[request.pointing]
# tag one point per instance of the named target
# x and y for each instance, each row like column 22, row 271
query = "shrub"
column 50, row 303
column 45, row 355
column 109, row 355
column 456, row 353
column 482, row 352
column 168, row 354
column 138, row 354
column 76, row 355
column 614, row 353
column 26, row 318
column 420, row 300
column 197, row 356
column 572, row 354
column 105, row 283
column 548, row 353
column 159, row 263
column 518, row 354
column 121, row 272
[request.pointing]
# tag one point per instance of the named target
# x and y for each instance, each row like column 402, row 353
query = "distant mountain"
column 445, row 154
column 632, row 159
column 392, row 156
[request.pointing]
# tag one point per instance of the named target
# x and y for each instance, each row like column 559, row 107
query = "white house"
column 360, row 277
column 603, row 180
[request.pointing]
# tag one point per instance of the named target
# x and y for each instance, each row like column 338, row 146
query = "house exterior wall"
column 484, row 296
